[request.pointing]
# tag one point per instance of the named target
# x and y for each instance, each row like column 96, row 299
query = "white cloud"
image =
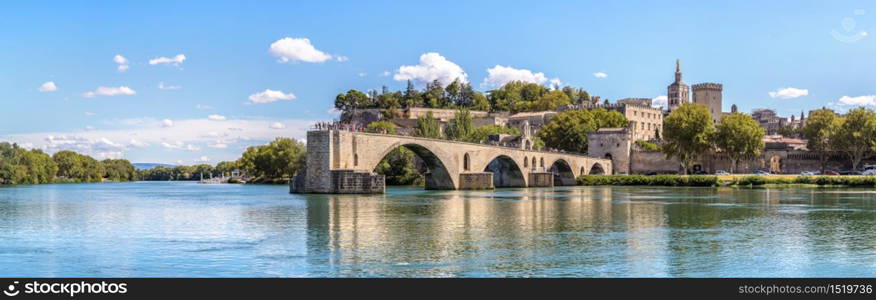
column 218, row 145
column 202, row 159
column 660, row 101
column 137, row 143
column 295, row 50
column 277, row 125
column 179, row 145
column 48, row 86
column 500, row 75
column 556, row 83
column 858, row 100
column 162, row 86
column 98, row 147
column 788, row 93
column 176, row 60
column 109, row 91
column 166, row 123
column 342, row 58
column 122, row 62
column 143, row 135
column 203, row 107
column 216, row 117
column 432, row 67
column 269, row 96
column 600, row 75
column 90, row 114
column 385, row 73
column 89, row 128
column 362, row 74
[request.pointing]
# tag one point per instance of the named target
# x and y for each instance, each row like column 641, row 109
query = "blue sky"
column 808, row 53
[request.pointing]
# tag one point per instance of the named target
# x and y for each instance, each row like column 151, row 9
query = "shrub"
column 657, row 180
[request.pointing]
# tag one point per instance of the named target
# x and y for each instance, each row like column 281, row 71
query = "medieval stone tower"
column 709, row 95
column 678, row 92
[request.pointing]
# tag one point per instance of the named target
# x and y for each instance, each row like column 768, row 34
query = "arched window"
column 525, row 163
column 466, row 161
column 533, row 163
column 542, row 162
column 356, row 160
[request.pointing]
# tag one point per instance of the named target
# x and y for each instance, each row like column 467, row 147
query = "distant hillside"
column 147, row 166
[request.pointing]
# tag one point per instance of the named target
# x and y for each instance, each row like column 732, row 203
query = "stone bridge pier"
column 340, row 162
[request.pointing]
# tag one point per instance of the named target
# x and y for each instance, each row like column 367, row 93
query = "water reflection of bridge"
column 343, row 162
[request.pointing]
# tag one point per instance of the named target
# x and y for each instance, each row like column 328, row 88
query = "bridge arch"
column 563, row 174
column 506, row 172
column 437, row 174
column 596, row 169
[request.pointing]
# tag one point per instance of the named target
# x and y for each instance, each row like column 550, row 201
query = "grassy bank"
column 731, row 180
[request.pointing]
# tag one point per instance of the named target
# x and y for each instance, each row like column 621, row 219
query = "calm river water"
column 152, row 229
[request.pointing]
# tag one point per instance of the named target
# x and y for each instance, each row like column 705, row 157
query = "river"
column 180, row 229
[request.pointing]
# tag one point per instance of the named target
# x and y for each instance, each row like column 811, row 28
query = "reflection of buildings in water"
column 466, row 226
column 645, row 233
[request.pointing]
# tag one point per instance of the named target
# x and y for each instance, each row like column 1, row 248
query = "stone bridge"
column 341, row 161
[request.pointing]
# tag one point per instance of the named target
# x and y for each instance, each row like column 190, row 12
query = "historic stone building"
column 614, row 144
column 709, row 95
column 645, row 121
column 678, row 92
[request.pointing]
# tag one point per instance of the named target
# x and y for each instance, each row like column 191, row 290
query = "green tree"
column 739, row 136
column 411, row 97
column 434, row 97
column 482, row 133
column 819, row 133
column 461, row 127
column 568, row 130
column 384, row 127
column 687, row 133
column 77, row 167
column 281, row 158
column 428, row 127
column 398, row 167
column 856, row 134
column 119, row 170
column 480, row 102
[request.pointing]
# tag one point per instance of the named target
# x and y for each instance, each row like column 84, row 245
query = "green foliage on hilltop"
column 515, row 96
column 383, row 127
column 568, row 130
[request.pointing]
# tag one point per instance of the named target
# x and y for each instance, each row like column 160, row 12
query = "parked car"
column 651, row 173
column 700, row 172
column 760, row 172
column 849, row 172
column 722, row 173
column 831, row 173
column 809, row 173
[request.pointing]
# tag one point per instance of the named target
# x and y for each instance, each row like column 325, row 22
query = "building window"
column 355, row 159
column 525, row 163
column 542, row 162
column 466, row 161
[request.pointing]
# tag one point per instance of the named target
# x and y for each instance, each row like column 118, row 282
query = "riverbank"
column 727, row 180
